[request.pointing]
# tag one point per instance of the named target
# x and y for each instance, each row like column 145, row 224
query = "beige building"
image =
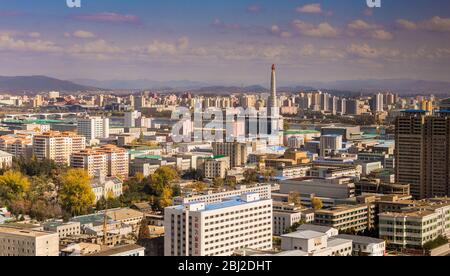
column 237, row 152
column 107, row 187
column 347, row 217
column 108, row 160
column 57, row 146
column 5, row 160
column 94, row 162
column 64, row 229
column 415, row 226
column 19, row 145
column 218, row 229
column 22, row 242
column 216, row 166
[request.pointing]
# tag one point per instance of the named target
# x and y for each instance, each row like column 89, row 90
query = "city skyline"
column 226, row 42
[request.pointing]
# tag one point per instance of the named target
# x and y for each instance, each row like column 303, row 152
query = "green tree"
column 230, row 182
column 218, row 182
column 250, row 176
column 294, row 198
column 75, row 194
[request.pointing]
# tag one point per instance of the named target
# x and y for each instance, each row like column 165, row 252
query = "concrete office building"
column 237, row 152
column 329, row 188
column 347, row 217
column 64, row 229
column 57, row 146
column 24, row 242
column 209, row 197
column 415, row 226
column 218, row 229
column 285, row 215
column 216, row 167
column 330, row 143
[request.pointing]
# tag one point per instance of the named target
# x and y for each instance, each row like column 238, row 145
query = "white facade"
column 218, row 229
column 264, row 192
column 93, row 128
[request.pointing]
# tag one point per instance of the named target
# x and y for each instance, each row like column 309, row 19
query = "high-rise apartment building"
column 93, row 128
column 422, row 153
column 107, row 160
column 94, row 162
column 57, row 146
column 218, row 229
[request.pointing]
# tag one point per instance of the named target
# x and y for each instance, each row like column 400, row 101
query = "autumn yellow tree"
column 317, row 203
column 75, row 194
column 165, row 200
column 13, row 185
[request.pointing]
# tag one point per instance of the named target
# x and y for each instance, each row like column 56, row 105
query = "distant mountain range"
column 24, row 84
column 29, row 84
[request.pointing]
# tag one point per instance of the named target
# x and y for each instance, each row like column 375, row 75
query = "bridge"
column 44, row 116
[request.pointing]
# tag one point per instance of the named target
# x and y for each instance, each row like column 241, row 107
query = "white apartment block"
column 264, row 191
column 93, row 128
column 21, row 242
column 57, row 146
column 218, row 229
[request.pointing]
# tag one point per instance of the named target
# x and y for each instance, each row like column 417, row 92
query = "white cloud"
column 435, row 24
column 95, row 47
column 322, row 30
column 310, row 8
column 361, row 25
column 382, row 35
column 83, row 34
column 9, row 43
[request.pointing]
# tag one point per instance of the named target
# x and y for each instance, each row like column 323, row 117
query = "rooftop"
column 360, row 239
column 118, row 250
column 23, row 232
column 305, row 234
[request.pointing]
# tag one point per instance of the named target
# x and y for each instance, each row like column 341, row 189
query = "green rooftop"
column 154, row 157
column 32, row 121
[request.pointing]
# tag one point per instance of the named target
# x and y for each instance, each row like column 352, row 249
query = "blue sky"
column 230, row 41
